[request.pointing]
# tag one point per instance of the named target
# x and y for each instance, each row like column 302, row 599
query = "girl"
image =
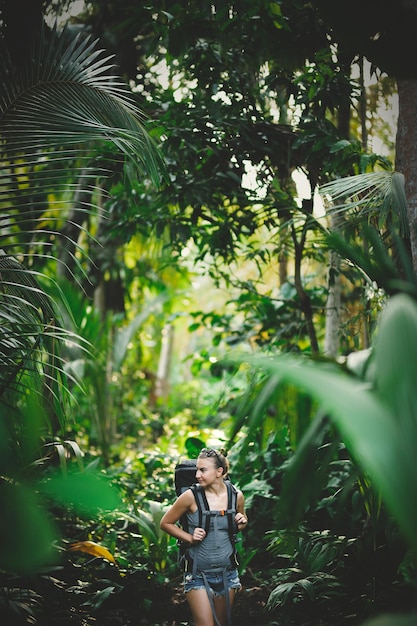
column 212, row 579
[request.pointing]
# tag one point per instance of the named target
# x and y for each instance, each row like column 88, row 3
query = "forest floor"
column 172, row 610
column 138, row 599
column 165, row 605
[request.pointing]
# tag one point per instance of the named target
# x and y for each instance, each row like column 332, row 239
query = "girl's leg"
column 199, row 604
column 221, row 607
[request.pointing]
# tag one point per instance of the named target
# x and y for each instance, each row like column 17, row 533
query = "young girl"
column 214, row 576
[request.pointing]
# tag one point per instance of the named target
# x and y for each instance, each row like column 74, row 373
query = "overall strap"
column 202, row 507
column 204, row 512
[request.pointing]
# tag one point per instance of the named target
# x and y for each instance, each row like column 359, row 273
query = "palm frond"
column 377, row 263
column 52, row 113
column 66, row 96
column 377, row 192
column 66, row 121
column 27, row 328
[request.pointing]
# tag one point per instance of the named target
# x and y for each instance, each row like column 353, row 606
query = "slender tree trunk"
column 165, row 356
column 406, row 142
column 362, row 107
column 305, row 302
column 333, row 305
column 334, row 295
column 67, row 243
column 284, row 216
column 334, row 298
column 283, row 268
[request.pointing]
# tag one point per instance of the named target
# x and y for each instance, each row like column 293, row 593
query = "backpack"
column 184, row 479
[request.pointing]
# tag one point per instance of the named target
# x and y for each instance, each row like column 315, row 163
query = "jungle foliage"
column 128, row 180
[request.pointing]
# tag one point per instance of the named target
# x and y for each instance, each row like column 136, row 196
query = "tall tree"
column 372, row 35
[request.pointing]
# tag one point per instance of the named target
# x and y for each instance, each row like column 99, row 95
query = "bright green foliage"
column 231, row 72
column 157, row 543
column 85, row 490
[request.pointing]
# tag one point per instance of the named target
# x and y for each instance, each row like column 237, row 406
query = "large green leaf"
column 378, row 425
column 392, row 620
column 85, row 492
column 27, row 534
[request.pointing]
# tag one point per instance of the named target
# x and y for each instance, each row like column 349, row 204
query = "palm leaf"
column 66, row 96
column 377, row 192
column 26, row 321
column 391, row 271
column 125, row 335
column 392, row 620
column 52, row 111
column 51, row 114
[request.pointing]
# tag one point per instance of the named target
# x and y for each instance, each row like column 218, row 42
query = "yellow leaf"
column 92, row 548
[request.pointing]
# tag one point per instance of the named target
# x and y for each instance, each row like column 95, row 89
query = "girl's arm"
column 169, row 521
column 240, row 517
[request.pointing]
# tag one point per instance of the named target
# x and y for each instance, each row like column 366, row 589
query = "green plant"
column 158, row 545
column 306, row 596
column 57, row 101
column 257, row 469
column 19, row 604
column 377, row 419
column 311, row 582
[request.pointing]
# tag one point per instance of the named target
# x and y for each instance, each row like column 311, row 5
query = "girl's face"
column 207, row 472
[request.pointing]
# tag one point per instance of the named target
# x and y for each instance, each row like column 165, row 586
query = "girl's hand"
column 198, row 535
column 240, row 519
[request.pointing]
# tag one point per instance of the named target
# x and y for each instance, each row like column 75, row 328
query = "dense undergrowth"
column 339, row 565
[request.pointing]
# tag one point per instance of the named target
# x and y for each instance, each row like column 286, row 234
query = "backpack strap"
column 231, row 511
column 204, row 512
column 184, row 525
column 202, row 507
column 210, row 597
column 203, row 517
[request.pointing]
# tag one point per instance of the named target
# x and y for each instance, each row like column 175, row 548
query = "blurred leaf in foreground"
column 27, row 534
column 84, row 492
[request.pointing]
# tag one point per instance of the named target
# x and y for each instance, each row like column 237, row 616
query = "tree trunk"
column 333, row 305
column 165, row 357
column 406, row 153
column 334, row 298
column 362, row 106
column 305, row 302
